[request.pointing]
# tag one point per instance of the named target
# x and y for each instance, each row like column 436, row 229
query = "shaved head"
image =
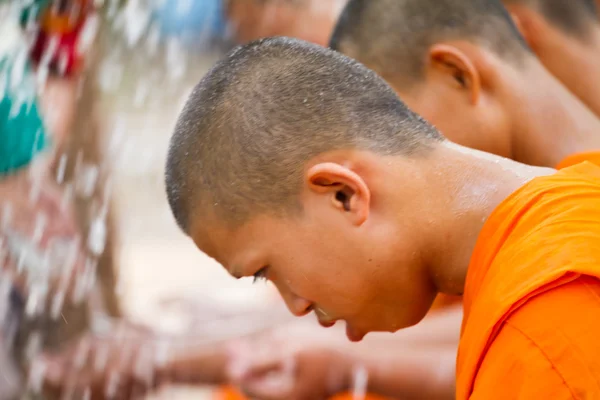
column 394, row 36
column 241, row 143
column 571, row 16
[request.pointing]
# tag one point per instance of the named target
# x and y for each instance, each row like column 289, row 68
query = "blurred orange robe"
column 531, row 327
column 590, row 156
column 232, row 394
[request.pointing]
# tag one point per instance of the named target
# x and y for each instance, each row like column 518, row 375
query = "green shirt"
column 22, row 132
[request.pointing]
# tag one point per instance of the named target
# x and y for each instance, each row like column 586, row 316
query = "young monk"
column 392, row 214
column 467, row 70
column 565, row 35
column 391, row 37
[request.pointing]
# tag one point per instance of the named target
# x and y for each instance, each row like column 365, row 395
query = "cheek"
column 317, row 270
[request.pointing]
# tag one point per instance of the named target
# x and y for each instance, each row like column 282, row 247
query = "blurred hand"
column 120, row 365
column 284, row 366
column 35, row 218
column 25, row 201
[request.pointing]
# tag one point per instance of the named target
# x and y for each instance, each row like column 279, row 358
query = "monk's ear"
column 343, row 189
column 458, row 68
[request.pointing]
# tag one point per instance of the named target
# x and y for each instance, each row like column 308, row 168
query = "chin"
column 406, row 322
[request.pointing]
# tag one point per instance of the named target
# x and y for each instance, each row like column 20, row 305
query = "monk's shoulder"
column 563, row 324
column 547, row 348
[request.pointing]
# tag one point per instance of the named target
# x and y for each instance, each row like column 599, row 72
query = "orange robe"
column 442, row 300
column 590, row 156
column 232, row 394
column 531, row 327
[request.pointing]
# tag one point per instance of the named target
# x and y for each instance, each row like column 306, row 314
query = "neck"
column 478, row 182
column 548, row 122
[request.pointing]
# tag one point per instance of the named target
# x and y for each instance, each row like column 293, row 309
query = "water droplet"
column 37, row 373
column 82, row 353
column 112, row 385
column 56, row 305
column 62, row 166
column 34, row 345
column 141, row 94
column 360, row 379
column 88, row 34
column 86, row 180
column 101, row 357
column 97, row 236
column 40, row 226
column 110, row 76
column 7, row 215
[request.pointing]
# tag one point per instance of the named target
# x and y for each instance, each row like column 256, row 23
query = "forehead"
column 235, row 247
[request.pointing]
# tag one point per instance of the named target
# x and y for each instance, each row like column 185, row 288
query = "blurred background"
column 109, row 79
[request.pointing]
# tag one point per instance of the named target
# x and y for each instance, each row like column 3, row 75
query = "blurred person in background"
column 565, row 36
column 28, row 190
column 310, row 20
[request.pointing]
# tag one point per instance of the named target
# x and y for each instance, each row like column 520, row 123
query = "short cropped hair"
column 573, row 17
column 241, row 143
column 394, row 36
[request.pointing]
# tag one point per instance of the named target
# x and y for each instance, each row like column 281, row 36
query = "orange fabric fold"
column 350, row 397
column 232, row 394
column 590, row 156
column 539, row 245
column 228, row 393
column 443, row 301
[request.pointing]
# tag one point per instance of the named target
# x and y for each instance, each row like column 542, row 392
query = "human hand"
column 283, row 365
column 28, row 204
column 40, row 244
column 124, row 364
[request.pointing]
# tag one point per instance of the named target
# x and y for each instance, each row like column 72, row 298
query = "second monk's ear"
column 451, row 60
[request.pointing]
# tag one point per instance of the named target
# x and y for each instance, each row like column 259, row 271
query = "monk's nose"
column 297, row 305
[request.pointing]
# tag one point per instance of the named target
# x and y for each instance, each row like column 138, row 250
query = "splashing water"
column 360, row 380
column 97, row 235
column 63, row 271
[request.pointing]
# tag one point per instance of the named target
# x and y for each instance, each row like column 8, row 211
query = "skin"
column 416, row 362
column 58, row 102
column 368, row 230
column 562, row 54
column 480, row 101
column 131, row 354
column 310, row 20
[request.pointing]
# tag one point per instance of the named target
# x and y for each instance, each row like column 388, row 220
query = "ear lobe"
column 346, row 190
column 451, row 60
